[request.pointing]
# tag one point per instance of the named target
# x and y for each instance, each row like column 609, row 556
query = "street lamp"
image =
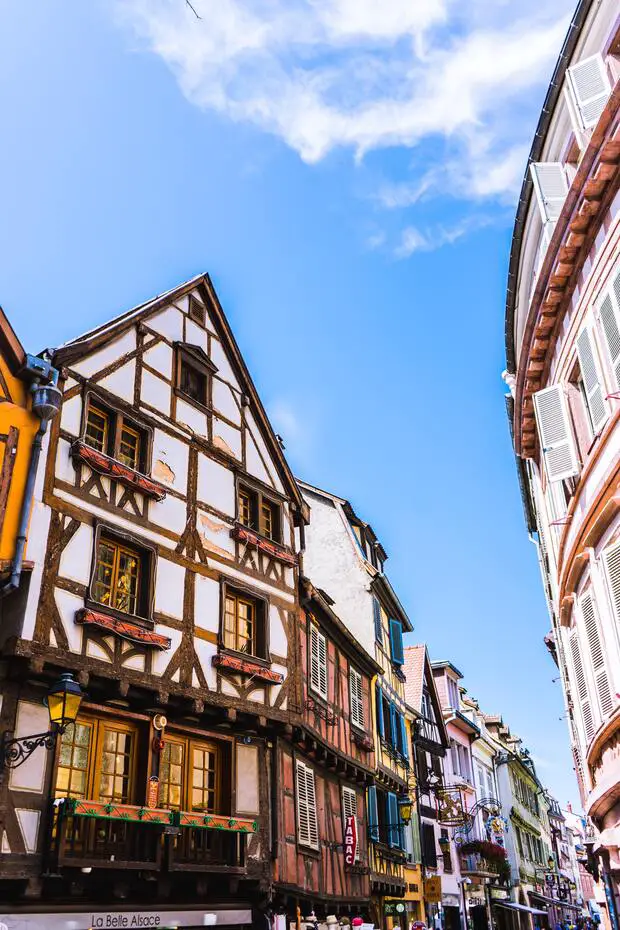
column 405, row 806
column 63, row 703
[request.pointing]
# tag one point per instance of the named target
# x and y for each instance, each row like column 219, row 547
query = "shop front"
column 128, row 920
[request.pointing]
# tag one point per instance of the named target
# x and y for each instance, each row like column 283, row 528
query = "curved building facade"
column 563, row 370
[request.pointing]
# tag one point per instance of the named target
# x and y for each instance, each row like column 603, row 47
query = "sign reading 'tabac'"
column 350, row 840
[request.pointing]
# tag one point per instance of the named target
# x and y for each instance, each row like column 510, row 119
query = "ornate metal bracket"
column 14, row 752
column 325, row 713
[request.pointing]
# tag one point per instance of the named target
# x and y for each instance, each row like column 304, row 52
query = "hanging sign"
column 432, row 889
column 152, row 798
column 350, row 840
column 451, row 806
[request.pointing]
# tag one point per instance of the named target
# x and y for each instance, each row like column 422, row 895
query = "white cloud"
column 366, row 75
column 415, row 240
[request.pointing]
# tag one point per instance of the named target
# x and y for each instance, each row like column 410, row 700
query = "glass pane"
column 126, row 587
column 97, row 429
column 78, row 783
column 129, row 447
column 105, row 572
column 82, row 734
column 107, row 762
column 80, row 758
column 65, row 754
column 109, row 740
column 174, row 797
column 62, row 781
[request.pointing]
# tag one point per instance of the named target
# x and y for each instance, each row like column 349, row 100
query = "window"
column 357, row 698
column 307, row 818
column 453, row 693
column 258, row 512
column 590, row 382
column 376, row 613
column 396, row 642
column 349, row 809
column 588, row 84
column 318, row 661
column 446, row 852
column 556, row 433
column 240, row 623
column 122, row 576
column 97, row 761
column 429, row 847
column 114, row 434
column 189, row 776
column 193, row 374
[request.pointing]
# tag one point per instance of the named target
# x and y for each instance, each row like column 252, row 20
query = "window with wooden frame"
column 97, row 761
column 190, row 775
column 122, row 576
column 111, row 432
column 244, row 623
column 349, row 809
column 318, row 661
column 357, row 698
column 193, row 374
column 305, row 796
column 259, row 512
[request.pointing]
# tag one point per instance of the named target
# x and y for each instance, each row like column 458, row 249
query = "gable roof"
column 418, row 671
column 96, row 338
column 10, row 346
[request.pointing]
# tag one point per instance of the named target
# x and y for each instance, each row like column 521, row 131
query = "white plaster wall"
column 205, row 652
column 107, row 355
column 75, row 561
column 68, row 604
column 332, row 562
column 207, row 603
column 220, row 360
column 71, row 414
column 253, row 462
column 29, row 825
column 121, row 382
column 224, row 401
column 215, row 534
column 278, row 643
column 247, row 796
column 196, row 336
column 155, row 391
column 30, row 776
column 216, row 485
column 161, row 657
column 174, row 454
column 65, row 469
column 169, row 587
column 262, row 448
column 171, row 514
column 159, row 358
column 192, row 417
column 226, row 437
column 168, row 322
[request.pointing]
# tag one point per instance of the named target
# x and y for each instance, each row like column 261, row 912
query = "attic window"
column 194, row 371
column 196, row 310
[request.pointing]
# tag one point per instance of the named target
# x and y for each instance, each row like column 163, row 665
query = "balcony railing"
column 92, row 834
column 476, row 864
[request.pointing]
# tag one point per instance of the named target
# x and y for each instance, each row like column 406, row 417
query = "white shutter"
column 589, row 85
column 581, row 685
column 556, row 433
column 611, row 556
column 597, row 654
column 592, row 382
column 609, row 315
column 318, row 661
column 357, row 698
column 551, row 187
column 349, row 809
column 307, row 819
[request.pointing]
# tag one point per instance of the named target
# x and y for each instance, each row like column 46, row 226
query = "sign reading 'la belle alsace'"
column 350, row 840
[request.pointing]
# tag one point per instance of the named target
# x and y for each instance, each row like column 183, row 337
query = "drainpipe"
column 46, row 400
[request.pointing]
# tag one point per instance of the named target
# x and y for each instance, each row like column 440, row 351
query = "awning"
column 557, row 902
column 519, row 907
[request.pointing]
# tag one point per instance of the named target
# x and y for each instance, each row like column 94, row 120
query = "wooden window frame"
column 95, row 756
column 196, row 358
column 189, row 743
column 117, row 421
column 148, row 555
column 259, row 497
column 262, row 602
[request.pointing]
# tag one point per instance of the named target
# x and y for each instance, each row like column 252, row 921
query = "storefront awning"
column 555, row 901
column 519, row 907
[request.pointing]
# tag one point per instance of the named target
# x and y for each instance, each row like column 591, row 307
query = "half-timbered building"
column 165, row 578
column 344, row 557
column 322, row 864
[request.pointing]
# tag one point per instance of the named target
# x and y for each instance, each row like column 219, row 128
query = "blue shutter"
column 379, row 703
column 376, row 612
column 403, row 732
column 373, row 814
column 393, row 729
column 396, row 643
column 393, row 820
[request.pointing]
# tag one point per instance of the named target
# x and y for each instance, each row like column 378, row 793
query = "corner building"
column 563, row 359
column 164, row 577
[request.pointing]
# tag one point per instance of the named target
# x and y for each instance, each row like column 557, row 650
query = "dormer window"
column 193, row 375
column 112, row 433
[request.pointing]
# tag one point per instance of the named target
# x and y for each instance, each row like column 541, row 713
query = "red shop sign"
column 350, row 840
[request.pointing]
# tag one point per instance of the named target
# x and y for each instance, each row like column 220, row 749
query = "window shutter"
column 581, row 685
column 393, row 731
column 610, row 321
column 303, row 831
column 396, row 642
column 349, row 809
column 318, row 661
column 376, row 612
column 592, row 381
column 373, row 814
column 313, row 820
column 611, row 556
column 551, row 186
column 393, row 822
column 589, row 86
column 357, row 698
column 404, row 741
column 379, row 708
column 555, row 432
column 597, row 654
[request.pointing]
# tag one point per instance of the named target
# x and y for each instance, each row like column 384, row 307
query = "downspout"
column 46, row 400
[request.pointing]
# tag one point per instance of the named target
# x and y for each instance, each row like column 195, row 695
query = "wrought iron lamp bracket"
column 14, row 751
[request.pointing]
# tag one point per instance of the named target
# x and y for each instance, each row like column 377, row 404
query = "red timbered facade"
column 324, row 769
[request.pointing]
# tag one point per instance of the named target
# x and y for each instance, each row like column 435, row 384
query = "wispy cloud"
column 415, row 240
column 324, row 74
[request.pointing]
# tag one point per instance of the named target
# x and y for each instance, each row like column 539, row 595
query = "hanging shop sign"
column 152, row 798
column 451, row 806
column 432, row 889
column 350, row 840
column 394, row 907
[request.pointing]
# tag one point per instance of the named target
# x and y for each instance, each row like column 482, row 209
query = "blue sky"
column 347, row 172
